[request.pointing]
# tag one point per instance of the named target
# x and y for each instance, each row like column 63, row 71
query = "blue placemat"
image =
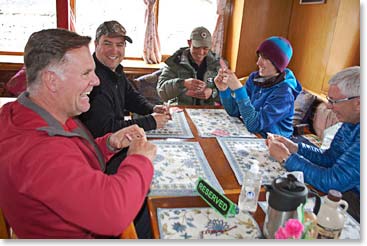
column 175, row 128
column 241, row 153
column 177, row 167
column 205, row 223
column 216, row 122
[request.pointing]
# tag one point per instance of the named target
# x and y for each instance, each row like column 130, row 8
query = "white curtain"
column 218, row 34
column 152, row 47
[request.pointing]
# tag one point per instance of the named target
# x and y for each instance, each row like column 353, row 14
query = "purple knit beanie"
column 278, row 50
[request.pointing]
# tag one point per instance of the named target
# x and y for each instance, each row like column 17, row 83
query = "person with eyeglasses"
column 114, row 96
column 339, row 166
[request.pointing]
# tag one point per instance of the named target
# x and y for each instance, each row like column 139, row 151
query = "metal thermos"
column 285, row 195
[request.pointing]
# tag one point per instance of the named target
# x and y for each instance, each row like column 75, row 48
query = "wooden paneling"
column 345, row 49
column 262, row 19
column 234, row 32
column 311, row 33
column 252, row 22
column 325, row 39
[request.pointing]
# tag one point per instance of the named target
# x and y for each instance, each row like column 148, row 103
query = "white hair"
column 348, row 81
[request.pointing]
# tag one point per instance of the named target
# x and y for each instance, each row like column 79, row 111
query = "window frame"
column 63, row 21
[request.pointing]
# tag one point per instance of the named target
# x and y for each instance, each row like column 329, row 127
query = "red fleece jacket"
column 52, row 186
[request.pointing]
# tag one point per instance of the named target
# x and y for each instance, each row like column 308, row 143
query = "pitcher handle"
column 317, row 205
column 344, row 205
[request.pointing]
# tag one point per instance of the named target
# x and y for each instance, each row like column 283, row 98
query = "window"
column 176, row 19
column 89, row 14
column 19, row 19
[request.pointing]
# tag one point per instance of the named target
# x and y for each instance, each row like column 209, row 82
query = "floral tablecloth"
column 241, row 153
column 177, row 167
column 216, row 122
column 205, row 223
column 178, row 127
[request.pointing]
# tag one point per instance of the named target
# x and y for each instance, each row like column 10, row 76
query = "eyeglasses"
column 332, row 101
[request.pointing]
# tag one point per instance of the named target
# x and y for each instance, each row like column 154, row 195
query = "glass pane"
column 19, row 19
column 130, row 13
column 177, row 18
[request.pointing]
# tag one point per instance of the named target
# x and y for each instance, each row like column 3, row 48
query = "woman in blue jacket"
column 266, row 101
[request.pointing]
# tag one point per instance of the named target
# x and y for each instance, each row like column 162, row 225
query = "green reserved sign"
column 219, row 202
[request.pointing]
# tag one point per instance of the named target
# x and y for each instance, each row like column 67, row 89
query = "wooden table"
column 222, row 170
column 187, row 202
column 214, row 154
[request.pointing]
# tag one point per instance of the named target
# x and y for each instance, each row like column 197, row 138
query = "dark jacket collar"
column 100, row 67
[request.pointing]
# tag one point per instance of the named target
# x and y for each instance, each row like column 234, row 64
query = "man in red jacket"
column 52, row 183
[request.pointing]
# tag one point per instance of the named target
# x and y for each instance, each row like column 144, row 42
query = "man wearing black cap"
column 114, row 95
column 188, row 77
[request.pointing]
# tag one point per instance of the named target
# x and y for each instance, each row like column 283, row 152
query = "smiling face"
column 266, row 67
column 198, row 53
column 110, row 51
column 346, row 111
column 74, row 83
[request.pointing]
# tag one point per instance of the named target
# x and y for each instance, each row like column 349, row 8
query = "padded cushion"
column 147, row 84
column 302, row 107
column 323, row 118
column 18, row 83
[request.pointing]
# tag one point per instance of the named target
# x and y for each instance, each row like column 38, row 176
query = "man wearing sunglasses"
column 339, row 166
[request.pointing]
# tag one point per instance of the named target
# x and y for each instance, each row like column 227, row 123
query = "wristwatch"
column 214, row 93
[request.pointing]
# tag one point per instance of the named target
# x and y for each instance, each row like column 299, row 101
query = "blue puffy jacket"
column 264, row 109
column 337, row 167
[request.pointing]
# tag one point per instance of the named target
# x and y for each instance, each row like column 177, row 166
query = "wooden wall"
column 252, row 22
column 325, row 37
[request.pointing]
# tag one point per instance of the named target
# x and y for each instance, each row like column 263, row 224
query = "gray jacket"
column 170, row 85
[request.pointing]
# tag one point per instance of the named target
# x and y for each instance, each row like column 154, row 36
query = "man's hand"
column 291, row 146
column 206, row 94
column 161, row 109
column 142, row 147
column 194, row 84
column 161, row 119
column 122, row 138
column 278, row 150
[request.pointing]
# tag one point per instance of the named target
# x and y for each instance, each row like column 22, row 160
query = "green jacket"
column 170, row 86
